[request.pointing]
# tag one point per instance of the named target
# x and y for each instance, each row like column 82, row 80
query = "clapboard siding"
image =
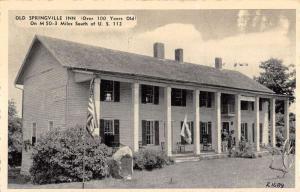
column 44, row 96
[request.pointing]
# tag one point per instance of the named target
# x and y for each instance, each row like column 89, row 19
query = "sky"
column 237, row 36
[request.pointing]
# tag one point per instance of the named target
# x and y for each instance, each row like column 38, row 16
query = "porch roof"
column 87, row 57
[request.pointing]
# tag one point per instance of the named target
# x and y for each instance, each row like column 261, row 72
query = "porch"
column 167, row 104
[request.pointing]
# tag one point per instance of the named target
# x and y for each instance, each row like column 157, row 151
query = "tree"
column 14, row 135
column 278, row 78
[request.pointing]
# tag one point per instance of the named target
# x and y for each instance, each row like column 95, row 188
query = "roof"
column 87, row 57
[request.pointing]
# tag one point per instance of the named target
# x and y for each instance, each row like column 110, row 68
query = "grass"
column 218, row 173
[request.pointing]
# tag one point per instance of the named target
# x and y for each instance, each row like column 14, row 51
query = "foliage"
column 14, row 135
column 286, row 157
column 59, row 156
column 150, row 159
column 280, row 139
column 278, row 78
column 245, row 150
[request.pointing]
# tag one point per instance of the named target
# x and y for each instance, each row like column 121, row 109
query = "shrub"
column 150, row 159
column 58, row 157
column 245, row 150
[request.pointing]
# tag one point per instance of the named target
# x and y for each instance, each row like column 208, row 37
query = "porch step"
column 181, row 159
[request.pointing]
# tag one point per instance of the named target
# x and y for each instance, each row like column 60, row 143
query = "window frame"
column 205, row 99
column 175, row 100
column 151, row 95
column 103, row 81
column 150, row 132
column 244, row 129
column 111, row 121
column 206, row 126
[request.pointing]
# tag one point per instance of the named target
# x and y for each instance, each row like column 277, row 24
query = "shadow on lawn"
column 15, row 177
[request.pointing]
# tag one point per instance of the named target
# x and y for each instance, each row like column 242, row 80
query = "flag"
column 185, row 131
column 91, row 123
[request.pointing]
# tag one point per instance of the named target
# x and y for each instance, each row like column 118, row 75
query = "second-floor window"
column 50, row 125
column 244, row 105
column 178, row 97
column 206, row 99
column 150, row 94
column 110, row 91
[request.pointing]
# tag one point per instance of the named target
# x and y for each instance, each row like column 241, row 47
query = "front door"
column 224, row 136
column 225, row 130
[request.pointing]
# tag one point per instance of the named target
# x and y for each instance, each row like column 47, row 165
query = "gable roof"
column 87, row 57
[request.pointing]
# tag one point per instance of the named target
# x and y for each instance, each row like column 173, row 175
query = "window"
column 50, row 126
column 244, row 131
column 244, row 105
column 110, row 91
column 150, row 132
column 109, row 132
column 205, row 132
column 252, row 106
column 108, row 127
column 206, row 99
column 178, row 97
column 33, row 137
column 150, row 94
column 191, row 126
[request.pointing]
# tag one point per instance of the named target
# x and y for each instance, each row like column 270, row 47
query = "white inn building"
column 141, row 101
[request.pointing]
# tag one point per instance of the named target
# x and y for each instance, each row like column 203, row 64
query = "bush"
column 58, row 157
column 150, row 159
column 245, row 150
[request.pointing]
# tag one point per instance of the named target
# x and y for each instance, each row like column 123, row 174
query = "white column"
column 168, row 117
column 218, row 121
column 237, row 125
column 97, row 84
column 286, row 119
column 256, row 123
column 272, row 122
column 197, row 122
column 135, row 115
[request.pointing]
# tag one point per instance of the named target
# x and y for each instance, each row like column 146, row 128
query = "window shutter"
column 183, row 97
column 192, row 132
column 144, row 140
column 201, row 132
column 209, row 99
column 116, row 91
column 182, row 139
column 209, row 131
column 172, row 97
column 102, row 95
column 102, row 130
column 246, row 131
column 253, row 134
column 156, row 95
column 143, row 88
column 156, row 132
column 117, row 132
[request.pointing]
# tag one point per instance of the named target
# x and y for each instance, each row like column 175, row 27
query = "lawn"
column 225, row 173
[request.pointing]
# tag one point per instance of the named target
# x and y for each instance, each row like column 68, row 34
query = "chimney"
column 179, row 55
column 159, row 50
column 218, row 63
